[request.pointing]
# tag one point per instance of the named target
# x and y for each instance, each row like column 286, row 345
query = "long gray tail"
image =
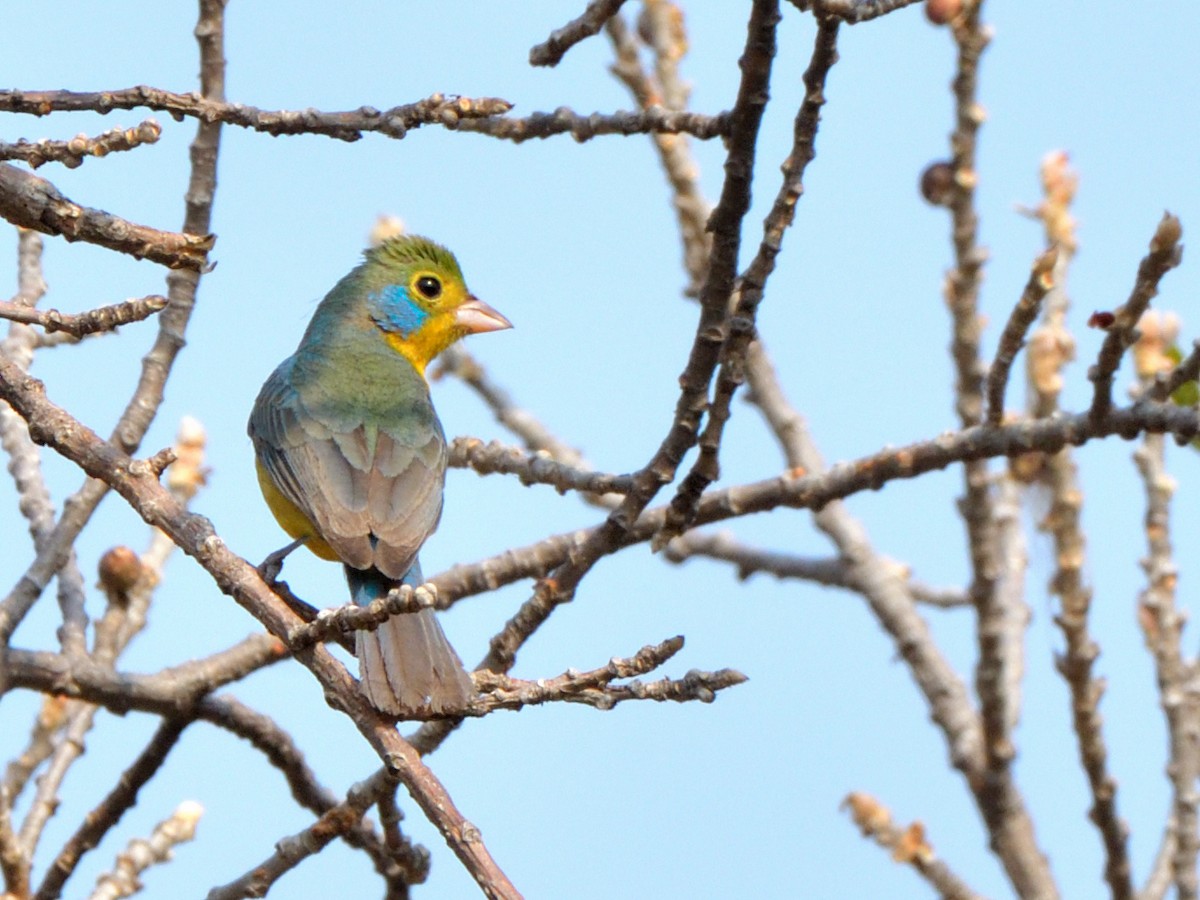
column 406, row 665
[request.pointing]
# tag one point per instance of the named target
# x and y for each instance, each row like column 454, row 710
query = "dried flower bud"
column 942, row 12
column 1156, row 349
column 937, row 183
column 869, row 814
column 912, row 846
column 187, row 474
column 1168, row 233
column 386, row 226
column 1101, row 319
column 1027, row 468
column 120, row 569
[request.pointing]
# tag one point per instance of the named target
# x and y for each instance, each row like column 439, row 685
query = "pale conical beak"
column 475, row 317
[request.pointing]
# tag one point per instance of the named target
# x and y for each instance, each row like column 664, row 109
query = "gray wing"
column 373, row 493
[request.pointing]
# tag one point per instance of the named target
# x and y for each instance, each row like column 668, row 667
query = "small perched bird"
column 352, row 459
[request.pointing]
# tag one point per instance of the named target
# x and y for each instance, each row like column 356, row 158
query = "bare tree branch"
column 726, row 221
column 105, row 318
column 108, row 813
column 1165, row 254
column 1162, row 625
column 72, row 153
column 194, row 535
column 33, row 202
column 840, row 481
column 551, row 52
column 908, row 845
column 740, row 326
column 211, row 109
column 1013, row 336
column 539, row 467
column 661, row 25
column 828, row 571
column 140, row 855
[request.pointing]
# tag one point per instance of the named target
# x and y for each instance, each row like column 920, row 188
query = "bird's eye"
column 430, row 287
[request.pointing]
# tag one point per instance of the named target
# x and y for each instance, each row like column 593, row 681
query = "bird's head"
column 417, row 297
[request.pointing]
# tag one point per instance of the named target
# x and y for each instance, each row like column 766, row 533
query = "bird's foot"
column 270, row 567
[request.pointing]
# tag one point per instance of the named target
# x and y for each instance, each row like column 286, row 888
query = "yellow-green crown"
column 405, row 250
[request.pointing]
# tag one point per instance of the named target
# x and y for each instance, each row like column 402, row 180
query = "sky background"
column 576, row 245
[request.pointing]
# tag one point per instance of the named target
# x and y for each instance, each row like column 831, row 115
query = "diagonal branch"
column 182, row 285
column 108, row 813
column 551, row 51
column 907, row 845
column 138, row 484
column 702, row 360
column 32, row 202
column 1165, row 254
column 741, row 323
column 1012, row 339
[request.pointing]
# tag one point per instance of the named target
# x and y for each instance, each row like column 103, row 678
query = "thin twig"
column 1165, row 254
column 105, row 318
column 740, row 326
column 551, row 51
column 24, row 464
column 661, row 25
column 1000, row 681
column 1162, row 626
column 482, row 115
column 139, row 855
column 907, row 845
column 1187, row 370
column 702, row 361
column 799, row 491
column 169, row 692
column 291, row 851
column 210, row 108
column 412, row 859
column 1162, row 872
column 1052, row 345
column 827, row 571
column 996, row 794
column 595, row 688
column 1012, row 339
column 49, row 720
column 538, row 467
column 108, row 813
column 15, row 863
column 72, row 153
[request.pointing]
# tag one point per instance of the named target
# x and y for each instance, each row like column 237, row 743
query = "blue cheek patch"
column 394, row 310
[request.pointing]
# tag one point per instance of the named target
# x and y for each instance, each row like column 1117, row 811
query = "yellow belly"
column 290, row 518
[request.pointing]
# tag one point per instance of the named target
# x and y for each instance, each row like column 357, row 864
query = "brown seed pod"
column 942, row 12
column 937, row 183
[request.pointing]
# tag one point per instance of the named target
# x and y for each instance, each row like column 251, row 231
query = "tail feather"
column 406, row 665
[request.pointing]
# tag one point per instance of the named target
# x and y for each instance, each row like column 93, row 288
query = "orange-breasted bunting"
column 351, row 455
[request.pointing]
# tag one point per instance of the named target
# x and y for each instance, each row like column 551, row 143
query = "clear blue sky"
column 575, row 243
